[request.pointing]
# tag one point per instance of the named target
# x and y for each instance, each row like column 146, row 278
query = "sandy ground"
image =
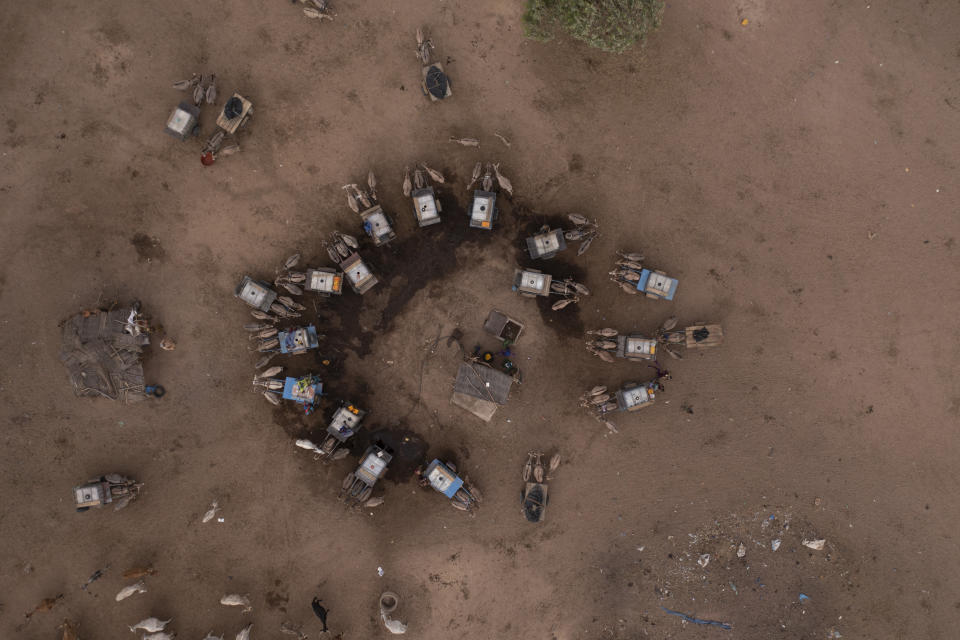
column 797, row 174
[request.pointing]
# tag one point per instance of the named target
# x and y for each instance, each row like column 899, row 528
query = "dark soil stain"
column 339, row 321
column 406, row 265
column 409, row 450
column 410, row 262
column 336, row 388
column 148, row 248
column 445, row 455
column 277, row 600
column 429, row 254
column 565, row 322
column 294, row 423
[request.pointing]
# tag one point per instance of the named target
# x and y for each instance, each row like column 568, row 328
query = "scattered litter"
column 816, row 545
column 803, row 597
column 744, row 22
column 220, row 520
column 380, row 571
column 704, row 560
column 741, row 550
column 775, row 544
column 734, row 587
column 641, row 548
column 715, row 623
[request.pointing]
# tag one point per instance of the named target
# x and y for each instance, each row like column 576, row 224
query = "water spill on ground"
column 565, row 322
column 409, row 450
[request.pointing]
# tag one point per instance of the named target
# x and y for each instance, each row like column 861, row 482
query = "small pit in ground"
column 148, row 247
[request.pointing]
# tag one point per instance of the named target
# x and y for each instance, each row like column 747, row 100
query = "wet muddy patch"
column 408, row 264
column 148, row 247
column 336, row 388
column 294, row 421
column 565, row 322
column 415, row 259
column 409, row 450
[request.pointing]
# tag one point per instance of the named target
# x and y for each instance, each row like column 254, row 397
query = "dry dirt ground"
column 797, row 174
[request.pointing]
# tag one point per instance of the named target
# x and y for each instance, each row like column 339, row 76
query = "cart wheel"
column 159, row 391
column 82, row 509
column 340, row 453
column 364, row 495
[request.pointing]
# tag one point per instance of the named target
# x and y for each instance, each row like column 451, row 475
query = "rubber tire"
column 389, row 608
